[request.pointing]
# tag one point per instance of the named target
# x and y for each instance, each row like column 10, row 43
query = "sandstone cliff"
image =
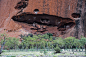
column 61, row 8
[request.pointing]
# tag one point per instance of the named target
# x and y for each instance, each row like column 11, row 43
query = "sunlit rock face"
column 51, row 16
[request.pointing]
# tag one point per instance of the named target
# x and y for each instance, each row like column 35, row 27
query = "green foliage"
column 45, row 36
column 42, row 42
column 83, row 41
column 85, row 54
column 38, row 41
column 59, row 42
column 57, row 49
column 12, row 43
column 13, row 56
column 46, row 41
column 49, row 34
column 69, row 42
column 77, row 43
column 3, row 51
column 31, row 35
column 1, row 41
column 3, row 38
column 20, row 46
column 45, row 52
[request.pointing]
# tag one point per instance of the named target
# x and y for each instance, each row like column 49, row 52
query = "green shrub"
column 41, row 51
column 13, row 56
column 45, row 52
column 85, row 54
column 57, row 50
column 3, row 51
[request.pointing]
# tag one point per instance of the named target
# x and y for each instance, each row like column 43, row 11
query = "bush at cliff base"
column 57, row 50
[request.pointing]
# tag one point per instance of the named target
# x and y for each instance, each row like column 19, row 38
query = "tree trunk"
column 0, row 51
column 2, row 46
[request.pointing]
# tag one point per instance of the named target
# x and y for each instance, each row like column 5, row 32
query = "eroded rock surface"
column 53, row 16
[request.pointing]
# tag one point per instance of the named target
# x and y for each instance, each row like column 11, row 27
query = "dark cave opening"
column 42, row 19
column 36, row 10
column 76, row 15
column 66, row 26
column 45, row 19
column 24, row 0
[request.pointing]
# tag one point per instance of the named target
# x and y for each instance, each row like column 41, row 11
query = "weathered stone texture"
column 63, row 8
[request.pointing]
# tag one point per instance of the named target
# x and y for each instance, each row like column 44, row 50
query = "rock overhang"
column 40, row 22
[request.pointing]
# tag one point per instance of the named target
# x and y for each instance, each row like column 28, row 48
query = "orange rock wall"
column 63, row 8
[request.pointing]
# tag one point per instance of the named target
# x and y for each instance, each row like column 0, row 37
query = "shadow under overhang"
column 62, row 24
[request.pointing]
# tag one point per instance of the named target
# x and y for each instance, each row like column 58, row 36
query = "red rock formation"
column 10, row 8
